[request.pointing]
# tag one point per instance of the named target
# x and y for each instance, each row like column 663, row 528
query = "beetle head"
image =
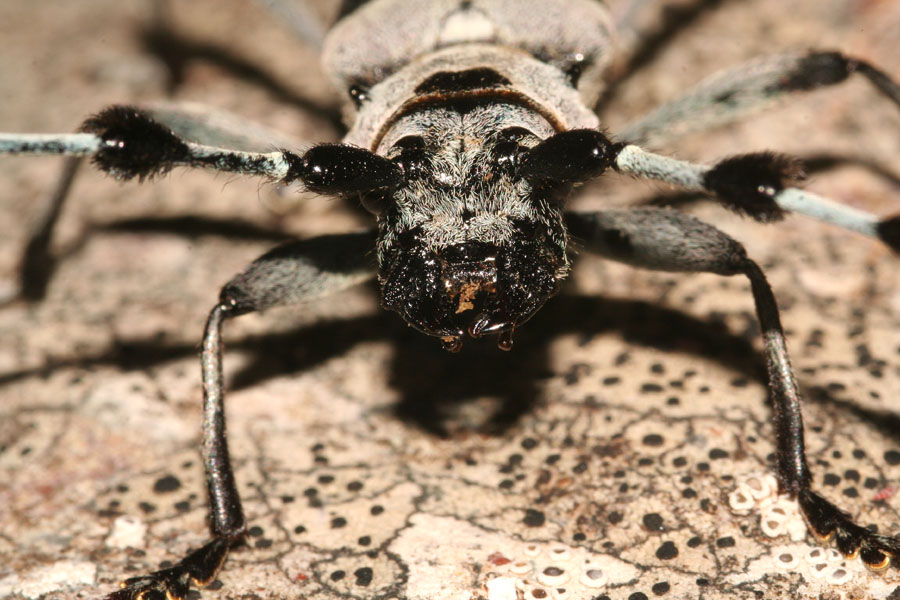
column 467, row 245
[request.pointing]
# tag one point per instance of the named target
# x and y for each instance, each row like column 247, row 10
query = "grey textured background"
column 628, row 411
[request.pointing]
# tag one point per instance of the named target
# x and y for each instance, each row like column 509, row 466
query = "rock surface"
column 619, row 451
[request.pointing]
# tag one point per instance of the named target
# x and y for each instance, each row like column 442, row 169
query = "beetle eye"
column 506, row 155
column 412, row 158
column 509, row 147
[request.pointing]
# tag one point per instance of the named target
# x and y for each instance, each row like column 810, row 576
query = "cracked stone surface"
column 621, row 450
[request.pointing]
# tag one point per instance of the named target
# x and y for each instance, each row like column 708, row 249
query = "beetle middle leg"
column 733, row 93
column 666, row 240
column 290, row 274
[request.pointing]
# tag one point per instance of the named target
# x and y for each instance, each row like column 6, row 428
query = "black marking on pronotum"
column 134, row 145
column 747, row 184
column 462, row 102
column 462, row 81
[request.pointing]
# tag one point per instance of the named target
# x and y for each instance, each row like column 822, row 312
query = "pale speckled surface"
column 619, row 428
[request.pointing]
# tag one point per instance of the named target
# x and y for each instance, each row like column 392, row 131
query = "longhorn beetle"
column 472, row 124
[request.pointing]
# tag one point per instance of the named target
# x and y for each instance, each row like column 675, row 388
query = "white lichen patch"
column 502, row 588
column 505, row 567
column 121, row 404
column 550, row 569
column 127, row 532
column 43, row 580
column 778, row 515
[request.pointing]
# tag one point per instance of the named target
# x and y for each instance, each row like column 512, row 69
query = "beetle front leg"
column 667, row 240
column 290, row 274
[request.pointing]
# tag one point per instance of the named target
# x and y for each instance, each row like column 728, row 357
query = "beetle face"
column 474, row 287
column 467, row 246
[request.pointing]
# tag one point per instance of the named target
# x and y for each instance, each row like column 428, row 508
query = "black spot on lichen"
column 168, row 483
column 725, row 542
column 660, row 588
column 717, row 453
column 653, row 439
column 667, row 551
column 363, row 576
column 534, row 518
column 653, row 522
